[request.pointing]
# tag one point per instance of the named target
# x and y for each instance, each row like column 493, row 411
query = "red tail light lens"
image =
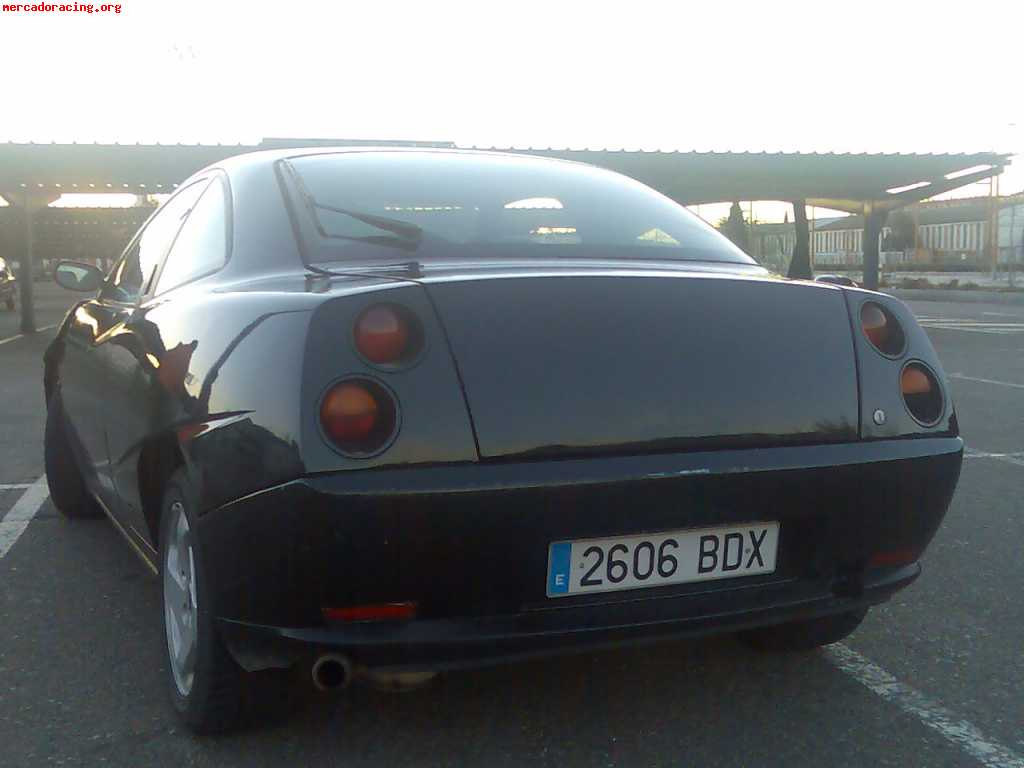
column 383, row 334
column 922, row 394
column 380, row 612
column 892, row 558
column 882, row 329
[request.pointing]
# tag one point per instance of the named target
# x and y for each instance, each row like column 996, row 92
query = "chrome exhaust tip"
column 332, row 671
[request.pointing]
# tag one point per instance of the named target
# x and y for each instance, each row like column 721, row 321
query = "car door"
column 102, row 360
column 148, row 362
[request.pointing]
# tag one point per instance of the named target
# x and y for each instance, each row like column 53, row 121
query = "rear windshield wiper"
column 412, row 269
column 404, row 234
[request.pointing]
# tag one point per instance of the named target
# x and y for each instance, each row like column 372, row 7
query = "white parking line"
column 14, row 486
column 16, row 521
column 986, row 381
column 22, row 335
column 970, row 325
column 1016, row 457
column 989, row 753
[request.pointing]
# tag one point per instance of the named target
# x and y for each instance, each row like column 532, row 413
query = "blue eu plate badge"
column 558, row 567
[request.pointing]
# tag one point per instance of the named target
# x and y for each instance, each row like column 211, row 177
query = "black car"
column 393, row 411
column 8, row 286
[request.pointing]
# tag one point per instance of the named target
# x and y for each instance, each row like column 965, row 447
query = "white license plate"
column 656, row 560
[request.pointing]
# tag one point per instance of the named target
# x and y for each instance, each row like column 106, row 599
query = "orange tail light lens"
column 349, row 413
column 874, row 323
column 915, row 382
column 922, row 394
column 359, row 416
column 382, row 334
column 881, row 329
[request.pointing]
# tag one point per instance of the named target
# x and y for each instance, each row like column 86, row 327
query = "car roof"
column 269, row 156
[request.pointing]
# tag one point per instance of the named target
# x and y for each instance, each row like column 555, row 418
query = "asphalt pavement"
column 935, row 677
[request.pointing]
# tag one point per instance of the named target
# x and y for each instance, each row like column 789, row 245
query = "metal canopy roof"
column 841, row 181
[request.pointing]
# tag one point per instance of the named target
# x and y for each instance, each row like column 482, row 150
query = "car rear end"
column 502, row 464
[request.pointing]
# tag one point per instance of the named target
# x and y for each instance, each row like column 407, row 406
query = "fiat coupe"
column 382, row 412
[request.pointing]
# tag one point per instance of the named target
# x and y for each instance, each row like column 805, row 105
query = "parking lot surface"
column 935, row 677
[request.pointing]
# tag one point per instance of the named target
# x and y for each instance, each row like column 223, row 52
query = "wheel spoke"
column 173, row 592
column 188, row 654
column 192, row 579
column 174, row 630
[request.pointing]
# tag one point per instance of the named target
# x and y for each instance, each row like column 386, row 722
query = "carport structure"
column 34, row 175
column 872, row 185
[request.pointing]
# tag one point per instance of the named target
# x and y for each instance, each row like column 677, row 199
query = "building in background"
column 933, row 235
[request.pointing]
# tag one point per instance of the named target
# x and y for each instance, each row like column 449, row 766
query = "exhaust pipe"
column 331, row 672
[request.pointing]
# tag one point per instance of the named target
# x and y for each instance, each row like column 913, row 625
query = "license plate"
column 657, row 560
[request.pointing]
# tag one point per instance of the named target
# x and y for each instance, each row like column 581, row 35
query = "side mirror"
column 76, row 276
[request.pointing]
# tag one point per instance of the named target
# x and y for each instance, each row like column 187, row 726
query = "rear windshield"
column 364, row 204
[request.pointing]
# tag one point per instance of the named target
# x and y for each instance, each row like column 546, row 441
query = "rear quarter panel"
column 220, row 373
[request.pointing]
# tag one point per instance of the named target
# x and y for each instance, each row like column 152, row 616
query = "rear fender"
column 226, row 390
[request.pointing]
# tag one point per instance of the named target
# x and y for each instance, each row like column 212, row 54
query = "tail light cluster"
column 360, row 414
column 918, row 384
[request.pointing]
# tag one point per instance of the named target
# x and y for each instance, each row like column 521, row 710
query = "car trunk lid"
column 576, row 364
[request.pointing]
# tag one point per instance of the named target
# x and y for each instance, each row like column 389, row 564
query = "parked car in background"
column 385, row 412
column 8, row 285
column 837, row 280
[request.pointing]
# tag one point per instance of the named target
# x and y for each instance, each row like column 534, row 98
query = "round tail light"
column 882, row 329
column 922, row 394
column 359, row 416
column 387, row 334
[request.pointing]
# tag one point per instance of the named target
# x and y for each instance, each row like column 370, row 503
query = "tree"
column 800, row 264
column 735, row 228
column 901, row 232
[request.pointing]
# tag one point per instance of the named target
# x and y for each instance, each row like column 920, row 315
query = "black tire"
column 803, row 635
column 67, row 488
column 213, row 702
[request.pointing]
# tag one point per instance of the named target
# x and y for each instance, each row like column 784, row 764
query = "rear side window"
column 132, row 276
column 201, row 245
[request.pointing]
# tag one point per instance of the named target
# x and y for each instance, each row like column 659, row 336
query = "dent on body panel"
column 229, row 382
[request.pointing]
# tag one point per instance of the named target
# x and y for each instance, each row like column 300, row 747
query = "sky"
column 786, row 76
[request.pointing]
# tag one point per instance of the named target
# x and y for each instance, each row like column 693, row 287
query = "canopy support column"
column 874, row 220
column 800, row 264
column 31, row 202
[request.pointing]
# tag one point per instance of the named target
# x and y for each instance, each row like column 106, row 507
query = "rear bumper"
column 468, row 544
column 442, row 644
